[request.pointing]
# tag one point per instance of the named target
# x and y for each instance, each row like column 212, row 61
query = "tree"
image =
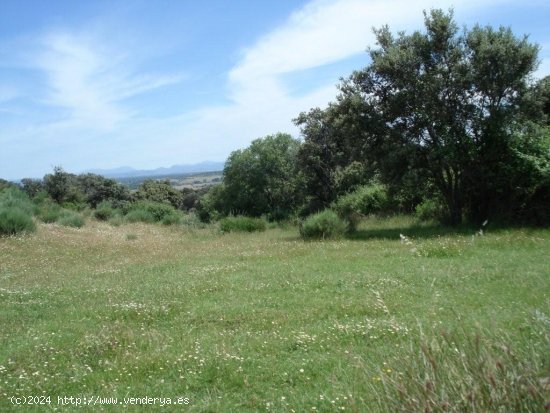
column 262, row 179
column 32, row 186
column 160, row 191
column 63, row 187
column 97, row 189
column 449, row 102
column 333, row 156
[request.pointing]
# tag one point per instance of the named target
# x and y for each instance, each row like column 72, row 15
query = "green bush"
column 429, row 209
column 116, row 221
column 14, row 221
column 71, row 219
column 14, row 198
column 139, row 215
column 242, row 224
column 365, row 200
column 104, row 211
column 48, row 212
column 323, row 225
column 171, row 219
column 155, row 209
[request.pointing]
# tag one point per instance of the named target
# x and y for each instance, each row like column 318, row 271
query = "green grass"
column 267, row 322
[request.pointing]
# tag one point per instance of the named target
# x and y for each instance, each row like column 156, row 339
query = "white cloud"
column 91, row 80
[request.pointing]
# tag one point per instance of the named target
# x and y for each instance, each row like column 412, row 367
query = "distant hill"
column 128, row 172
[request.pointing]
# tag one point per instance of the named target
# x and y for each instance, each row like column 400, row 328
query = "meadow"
column 399, row 317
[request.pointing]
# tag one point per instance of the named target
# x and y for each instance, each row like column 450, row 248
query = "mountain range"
column 129, row 172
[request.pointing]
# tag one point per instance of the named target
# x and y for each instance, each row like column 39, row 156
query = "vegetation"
column 242, row 224
column 15, row 212
column 444, row 110
column 364, row 201
column 14, row 221
column 389, row 313
column 266, row 322
column 323, row 225
column 262, row 179
column 71, row 219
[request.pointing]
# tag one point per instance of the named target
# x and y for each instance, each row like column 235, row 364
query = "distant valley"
column 128, row 172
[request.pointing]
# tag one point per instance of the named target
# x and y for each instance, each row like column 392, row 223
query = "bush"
column 140, row 215
column 71, row 219
column 48, row 212
column 104, row 211
column 116, row 221
column 156, row 209
column 323, row 225
column 14, row 198
column 365, row 200
column 171, row 219
column 14, row 221
column 429, row 209
column 242, row 224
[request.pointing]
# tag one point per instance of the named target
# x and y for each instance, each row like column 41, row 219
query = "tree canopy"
column 442, row 106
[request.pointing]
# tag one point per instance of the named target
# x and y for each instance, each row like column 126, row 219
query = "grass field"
column 434, row 321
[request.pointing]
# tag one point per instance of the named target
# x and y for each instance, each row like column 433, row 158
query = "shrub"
column 14, row 221
column 104, row 211
column 156, row 209
column 171, row 219
column 323, row 225
column 71, row 219
column 116, row 221
column 48, row 212
column 429, row 209
column 140, row 215
column 242, row 224
column 14, row 198
column 365, row 200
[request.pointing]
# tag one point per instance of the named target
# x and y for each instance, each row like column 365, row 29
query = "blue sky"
column 102, row 84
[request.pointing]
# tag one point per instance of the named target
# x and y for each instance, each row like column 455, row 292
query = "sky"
column 110, row 83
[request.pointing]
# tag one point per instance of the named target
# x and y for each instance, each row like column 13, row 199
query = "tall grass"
column 242, row 224
column 466, row 371
column 15, row 212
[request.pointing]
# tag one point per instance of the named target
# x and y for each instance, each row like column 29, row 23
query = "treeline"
column 67, row 199
column 444, row 123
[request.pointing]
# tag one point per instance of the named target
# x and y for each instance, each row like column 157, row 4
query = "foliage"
column 160, row 192
column 323, row 225
column 365, row 200
column 14, row 221
column 210, row 205
column 32, row 186
column 6, row 184
column 71, row 219
column 156, row 209
column 139, row 215
column 12, row 197
column 63, row 187
column 48, row 212
column 242, row 224
column 437, row 109
column 171, row 219
column 104, row 211
column 429, row 209
column 97, row 189
column 262, row 179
